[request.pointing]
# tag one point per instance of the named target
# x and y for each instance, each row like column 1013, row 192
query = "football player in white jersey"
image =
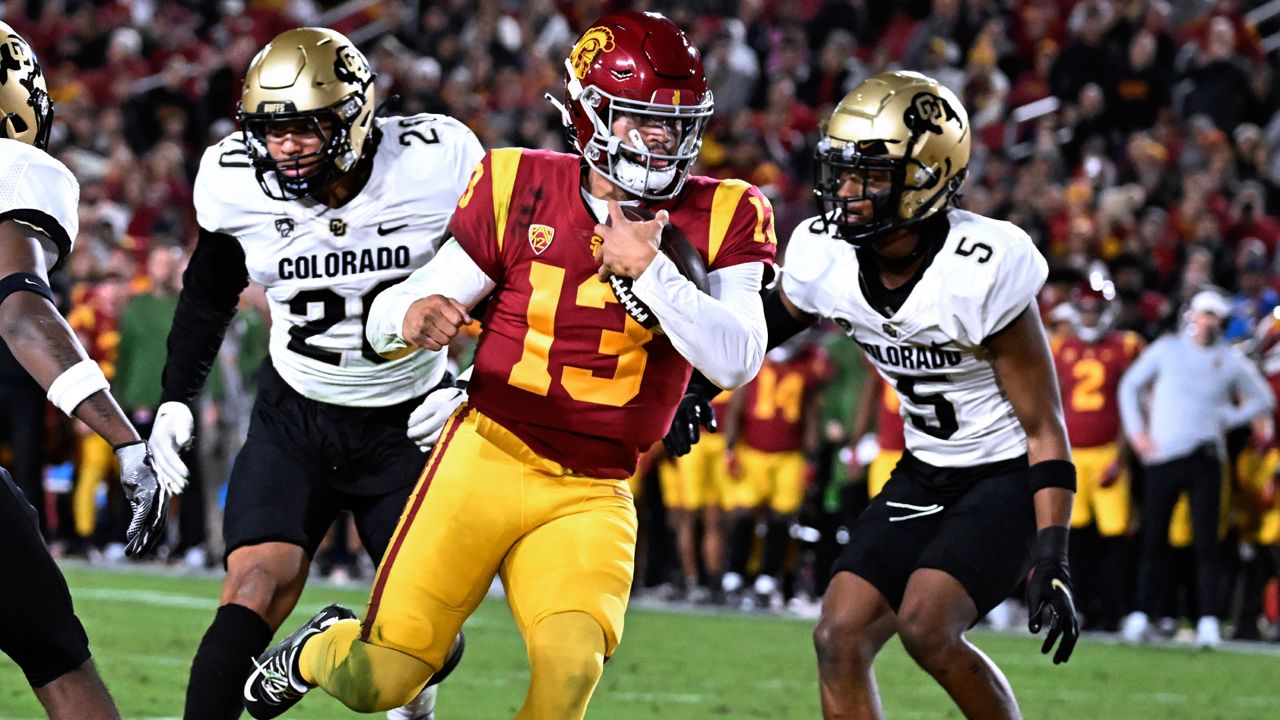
column 943, row 302
column 326, row 206
column 38, row 224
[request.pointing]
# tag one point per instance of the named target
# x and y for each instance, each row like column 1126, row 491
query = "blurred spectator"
column 144, row 321
column 1195, row 380
column 1219, row 81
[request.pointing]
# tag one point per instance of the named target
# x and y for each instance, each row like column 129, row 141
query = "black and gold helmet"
column 902, row 126
column 313, row 75
column 26, row 114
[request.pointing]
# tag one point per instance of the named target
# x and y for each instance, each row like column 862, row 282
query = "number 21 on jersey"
column 533, row 371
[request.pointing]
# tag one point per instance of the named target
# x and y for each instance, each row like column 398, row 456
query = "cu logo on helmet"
column 594, row 42
column 930, row 112
column 350, row 67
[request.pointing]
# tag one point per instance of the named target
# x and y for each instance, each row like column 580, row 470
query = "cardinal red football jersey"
column 560, row 363
column 773, row 415
column 1090, row 375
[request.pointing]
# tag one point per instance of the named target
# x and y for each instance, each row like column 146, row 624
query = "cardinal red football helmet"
column 641, row 66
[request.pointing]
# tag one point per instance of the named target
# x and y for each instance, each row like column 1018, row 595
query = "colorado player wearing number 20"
column 943, row 302
column 326, row 206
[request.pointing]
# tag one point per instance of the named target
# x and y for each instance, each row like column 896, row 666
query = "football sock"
column 566, row 652
column 775, row 546
column 223, row 663
column 365, row 677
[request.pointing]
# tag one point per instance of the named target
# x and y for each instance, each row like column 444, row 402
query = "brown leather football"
column 674, row 245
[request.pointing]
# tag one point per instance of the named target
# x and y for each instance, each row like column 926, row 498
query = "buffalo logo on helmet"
column 14, row 55
column 540, row 237
column 350, row 66
column 929, row 112
column 593, row 42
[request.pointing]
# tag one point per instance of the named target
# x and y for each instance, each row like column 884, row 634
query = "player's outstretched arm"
column 1024, row 369
column 211, row 287
column 48, row 349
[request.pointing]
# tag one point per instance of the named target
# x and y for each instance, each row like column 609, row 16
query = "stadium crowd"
column 1137, row 141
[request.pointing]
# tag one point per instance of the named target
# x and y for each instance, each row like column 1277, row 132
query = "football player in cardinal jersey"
column 326, row 206
column 943, row 302
column 1090, row 358
column 529, row 479
column 38, row 224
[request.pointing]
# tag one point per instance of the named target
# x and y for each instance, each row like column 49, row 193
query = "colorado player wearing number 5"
column 326, row 206
column 943, row 302
column 529, row 479
column 38, row 223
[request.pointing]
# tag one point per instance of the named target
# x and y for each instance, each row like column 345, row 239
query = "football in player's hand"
column 674, row 245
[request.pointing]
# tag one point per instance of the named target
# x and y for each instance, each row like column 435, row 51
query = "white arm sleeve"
column 451, row 273
column 722, row 334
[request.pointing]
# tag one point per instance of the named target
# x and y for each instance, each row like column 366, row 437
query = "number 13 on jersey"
column 533, row 371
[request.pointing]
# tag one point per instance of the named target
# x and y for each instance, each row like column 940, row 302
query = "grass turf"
column 144, row 628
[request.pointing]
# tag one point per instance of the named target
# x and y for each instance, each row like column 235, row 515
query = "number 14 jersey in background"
column 560, row 364
column 984, row 274
column 322, row 266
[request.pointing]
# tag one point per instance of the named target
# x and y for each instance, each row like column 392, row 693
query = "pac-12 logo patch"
column 540, row 237
column 285, row 227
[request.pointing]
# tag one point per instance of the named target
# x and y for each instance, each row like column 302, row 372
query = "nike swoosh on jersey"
column 389, row 230
column 1056, row 584
column 31, row 282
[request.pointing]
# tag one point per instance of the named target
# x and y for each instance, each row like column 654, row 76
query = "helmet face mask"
column 26, row 112
column 314, row 82
column 900, row 141
column 628, row 73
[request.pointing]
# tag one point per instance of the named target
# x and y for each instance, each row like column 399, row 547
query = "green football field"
column 144, row 629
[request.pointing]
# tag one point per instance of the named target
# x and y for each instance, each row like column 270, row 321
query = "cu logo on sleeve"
column 338, row 227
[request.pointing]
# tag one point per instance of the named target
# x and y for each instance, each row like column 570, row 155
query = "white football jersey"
column 986, row 273
column 322, row 266
column 40, row 191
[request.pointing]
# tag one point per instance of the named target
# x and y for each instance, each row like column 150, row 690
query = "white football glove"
column 148, row 498
column 427, row 420
column 170, row 435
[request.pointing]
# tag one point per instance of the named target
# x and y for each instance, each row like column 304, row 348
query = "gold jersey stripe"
column 723, row 206
column 505, row 161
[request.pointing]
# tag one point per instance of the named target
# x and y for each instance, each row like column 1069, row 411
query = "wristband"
column 25, row 282
column 75, row 384
column 1052, row 474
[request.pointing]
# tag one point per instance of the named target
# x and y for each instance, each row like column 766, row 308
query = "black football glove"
column 1049, row 594
column 693, row 414
column 148, row 499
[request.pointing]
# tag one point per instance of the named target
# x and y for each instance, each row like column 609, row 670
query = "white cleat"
column 1136, row 628
column 1208, row 634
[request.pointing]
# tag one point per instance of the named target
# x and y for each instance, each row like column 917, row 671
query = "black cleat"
column 451, row 660
column 275, row 685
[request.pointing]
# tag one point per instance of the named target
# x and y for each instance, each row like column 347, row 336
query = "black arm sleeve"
column 781, row 323
column 211, row 288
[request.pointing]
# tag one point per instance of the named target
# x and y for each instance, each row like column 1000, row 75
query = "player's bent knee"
column 841, row 640
column 923, row 636
column 377, row 678
column 566, row 651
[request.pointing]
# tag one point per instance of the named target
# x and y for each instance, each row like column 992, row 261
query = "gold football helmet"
column 313, row 75
column 26, row 113
column 902, row 127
